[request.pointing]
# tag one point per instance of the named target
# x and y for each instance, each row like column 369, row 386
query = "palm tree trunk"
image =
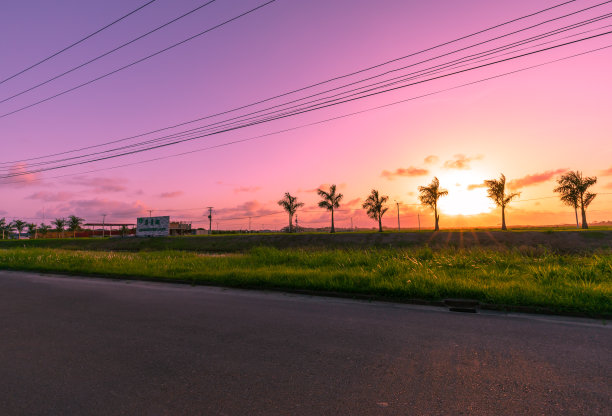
column 333, row 230
column 584, row 221
column 504, row 218
column 437, row 217
column 576, row 212
column 290, row 221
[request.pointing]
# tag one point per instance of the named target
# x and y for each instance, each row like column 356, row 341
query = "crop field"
column 561, row 272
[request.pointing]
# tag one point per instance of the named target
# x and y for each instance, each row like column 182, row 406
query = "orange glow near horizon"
column 461, row 200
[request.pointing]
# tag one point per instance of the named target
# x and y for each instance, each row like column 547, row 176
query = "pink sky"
column 531, row 125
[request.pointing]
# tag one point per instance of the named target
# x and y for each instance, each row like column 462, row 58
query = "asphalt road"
column 82, row 346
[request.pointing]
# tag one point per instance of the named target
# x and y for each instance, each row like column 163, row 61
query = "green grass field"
column 557, row 240
column 527, row 276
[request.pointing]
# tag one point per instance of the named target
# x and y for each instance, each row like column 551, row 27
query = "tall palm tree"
column 497, row 192
column 124, row 230
column 44, row 228
column 290, row 204
column 573, row 188
column 569, row 196
column 429, row 196
column 2, row 226
column 330, row 201
column 8, row 229
column 74, row 223
column 59, row 223
column 19, row 226
column 32, row 228
column 375, row 206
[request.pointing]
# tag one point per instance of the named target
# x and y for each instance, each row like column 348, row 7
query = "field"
column 566, row 272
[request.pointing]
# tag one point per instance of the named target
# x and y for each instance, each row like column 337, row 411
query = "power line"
column 322, row 121
column 401, row 78
column 139, row 60
column 369, row 93
column 471, row 57
column 107, row 53
column 315, row 84
column 77, row 42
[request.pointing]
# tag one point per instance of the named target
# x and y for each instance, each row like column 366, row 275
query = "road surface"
column 84, row 346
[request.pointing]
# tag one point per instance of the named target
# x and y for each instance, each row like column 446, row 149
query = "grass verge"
column 529, row 277
column 559, row 241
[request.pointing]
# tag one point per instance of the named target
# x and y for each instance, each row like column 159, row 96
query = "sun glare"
column 460, row 199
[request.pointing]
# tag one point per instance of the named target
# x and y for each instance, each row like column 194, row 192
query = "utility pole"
column 352, row 228
column 249, row 224
column 150, row 212
column 210, row 220
column 398, row 222
column 296, row 223
column 103, row 221
column 419, row 219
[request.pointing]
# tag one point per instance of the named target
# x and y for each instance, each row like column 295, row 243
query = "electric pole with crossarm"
column 210, row 220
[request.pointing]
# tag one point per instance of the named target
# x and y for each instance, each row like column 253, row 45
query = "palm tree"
column 573, row 189
column 19, row 226
column 429, row 196
column 569, row 196
column 375, row 206
column 124, row 230
column 44, row 228
column 330, row 201
column 32, row 228
column 290, row 204
column 497, row 192
column 59, row 223
column 8, row 229
column 74, row 223
column 2, row 226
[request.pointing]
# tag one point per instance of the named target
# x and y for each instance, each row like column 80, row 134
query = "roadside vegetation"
column 526, row 277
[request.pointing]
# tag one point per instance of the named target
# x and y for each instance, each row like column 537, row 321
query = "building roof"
column 99, row 224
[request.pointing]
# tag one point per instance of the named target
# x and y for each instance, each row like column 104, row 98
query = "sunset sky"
column 531, row 125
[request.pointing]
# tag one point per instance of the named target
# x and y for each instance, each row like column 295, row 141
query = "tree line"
column 572, row 189
column 72, row 224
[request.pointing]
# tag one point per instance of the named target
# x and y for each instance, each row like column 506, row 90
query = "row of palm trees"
column 73, row 223
column 572, row 189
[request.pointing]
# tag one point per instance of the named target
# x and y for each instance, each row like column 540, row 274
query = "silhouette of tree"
column 8, row 229
column 59, row 223
column 44, row 228
column 375, row 206
column 429, row 196
column 74, row 224
column 3, row 226
column 19, row 226
column 330, row 201
column 32, row 228
column 124, row 230
column 569, row 196
column 497, row 192
column 573, row 188
column 290, row 205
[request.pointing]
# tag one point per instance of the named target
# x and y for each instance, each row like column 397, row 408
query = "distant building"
column 180, row 228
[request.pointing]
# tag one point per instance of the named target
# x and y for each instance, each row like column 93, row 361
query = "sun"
column 460, row 199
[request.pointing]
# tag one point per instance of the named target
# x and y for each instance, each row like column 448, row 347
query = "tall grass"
column 515, row 277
